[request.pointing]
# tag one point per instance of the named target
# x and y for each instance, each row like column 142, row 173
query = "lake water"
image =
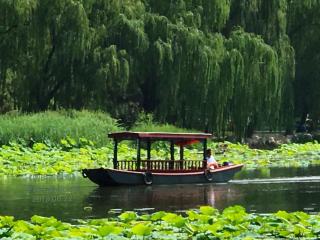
column 68, row 198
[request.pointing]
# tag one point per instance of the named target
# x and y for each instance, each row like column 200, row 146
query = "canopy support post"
column 138, row 153
column 148, row 153
column 171, row 154
column 115, row 154
column 181, row 157
column 204, row 165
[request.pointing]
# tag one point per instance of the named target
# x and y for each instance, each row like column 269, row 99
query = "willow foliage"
column 303, row 30
column 214, row 65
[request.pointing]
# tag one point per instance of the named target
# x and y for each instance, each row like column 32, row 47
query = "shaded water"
column 67, row 198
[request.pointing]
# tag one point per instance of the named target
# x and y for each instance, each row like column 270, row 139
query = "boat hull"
column 113, row 177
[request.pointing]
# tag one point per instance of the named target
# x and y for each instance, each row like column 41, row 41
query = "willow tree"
column 259, row 85
column 269, row 19
column 50, row 38
column 205, row 64
column 206, row 80
column 15, row 17
column 303, row 30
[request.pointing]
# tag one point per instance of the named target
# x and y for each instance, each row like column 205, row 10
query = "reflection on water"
column 165, row 197
column 66, row 198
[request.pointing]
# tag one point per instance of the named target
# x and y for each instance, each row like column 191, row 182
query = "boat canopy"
column 180, row 139
column 177, row 138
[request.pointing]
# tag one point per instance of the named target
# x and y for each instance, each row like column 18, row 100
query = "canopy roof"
column 164, row 136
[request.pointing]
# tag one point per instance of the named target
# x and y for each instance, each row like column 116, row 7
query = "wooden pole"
column 138, row 153
column 148, row 154
column 115, row 154
column 204, row 165
column 172, row 154
column 181, row 156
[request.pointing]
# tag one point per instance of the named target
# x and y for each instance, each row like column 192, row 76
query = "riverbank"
column 272, row 140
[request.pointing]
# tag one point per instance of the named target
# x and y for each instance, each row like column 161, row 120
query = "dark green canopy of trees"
column 205, row 64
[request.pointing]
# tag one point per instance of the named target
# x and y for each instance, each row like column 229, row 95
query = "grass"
column 146, row 123
column 51, row 127
column 54, row 126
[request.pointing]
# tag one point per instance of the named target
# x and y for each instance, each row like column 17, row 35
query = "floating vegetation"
column 203, row 223
column 287, row 155
column 71, row 156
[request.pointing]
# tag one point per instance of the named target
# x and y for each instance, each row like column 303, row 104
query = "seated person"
column 211, row 162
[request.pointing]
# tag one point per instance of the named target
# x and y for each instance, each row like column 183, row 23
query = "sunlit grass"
column 53, row 126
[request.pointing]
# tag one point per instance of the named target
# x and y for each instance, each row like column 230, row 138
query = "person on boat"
column 211, row 162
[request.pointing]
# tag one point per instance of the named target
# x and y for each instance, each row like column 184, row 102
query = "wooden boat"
column 138, row 172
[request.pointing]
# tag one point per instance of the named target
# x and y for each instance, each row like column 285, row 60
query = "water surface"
column 68, row 198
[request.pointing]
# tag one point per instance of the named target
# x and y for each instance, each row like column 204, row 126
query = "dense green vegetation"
column 70, row 156
column 204, row 223
column 146, row 123
column 65, row 142
column 50, row 127
column 216, row 65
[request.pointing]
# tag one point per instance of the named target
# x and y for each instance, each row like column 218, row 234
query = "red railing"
column 162, row 165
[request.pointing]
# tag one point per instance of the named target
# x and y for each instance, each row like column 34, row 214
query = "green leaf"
column 39, row 146
column 6, row 221
column 158, row 215
column 128, row 216
column 141, row 229
column 71, row 141
column 235, row 213
column 41, row 220
column 109, row 229
column 174, row 219
column 208, row 210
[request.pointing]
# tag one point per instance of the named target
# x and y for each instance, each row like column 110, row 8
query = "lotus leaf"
column 72, row 156
column 141, row 229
